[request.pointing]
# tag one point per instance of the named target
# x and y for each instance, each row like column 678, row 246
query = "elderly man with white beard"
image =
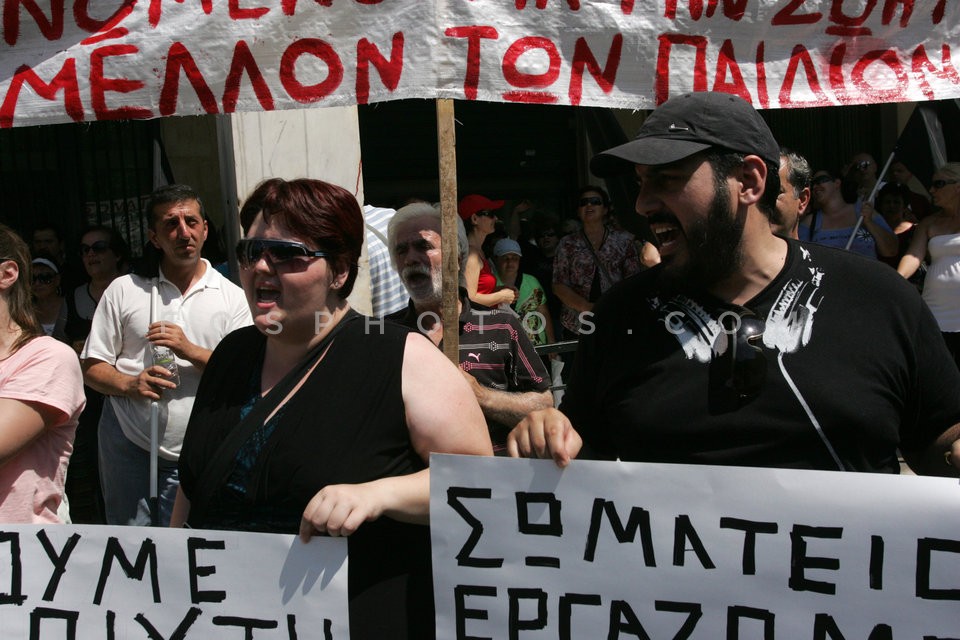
column 501, row 364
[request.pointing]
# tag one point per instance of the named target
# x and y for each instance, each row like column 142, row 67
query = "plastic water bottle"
column 164, row 357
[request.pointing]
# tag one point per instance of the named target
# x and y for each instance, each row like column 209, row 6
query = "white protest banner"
column 93, row 583
column 611, row 550
column 127, row 59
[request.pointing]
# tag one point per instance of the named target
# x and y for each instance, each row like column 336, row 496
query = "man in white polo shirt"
column 188, row 307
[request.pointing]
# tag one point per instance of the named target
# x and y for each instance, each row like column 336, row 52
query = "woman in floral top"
column 591, row 261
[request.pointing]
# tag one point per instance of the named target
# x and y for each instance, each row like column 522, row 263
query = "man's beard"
column 713, row 246
column 423, row 293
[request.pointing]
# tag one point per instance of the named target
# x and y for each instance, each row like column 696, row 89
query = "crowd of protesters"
column 271, row 421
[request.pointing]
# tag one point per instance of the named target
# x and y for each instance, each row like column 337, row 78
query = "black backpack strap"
column 220, row 465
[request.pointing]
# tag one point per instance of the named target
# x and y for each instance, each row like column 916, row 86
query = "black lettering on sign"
column 750, row 529
column 925, row 548
column 464, row 559
column 38, row 615
column 567, row 601
column 15, row 594
column 639, row 519
column 553, row 526
column 197, row 596
column 460, row 594
column 694, row 611
column 800, row 561
column 514, row 624
column 180, row 633
column 59, row 560
column 876, row 562
column 148, row 552
column 624, row 620
column 825, row 628
column 736, row 614
column 682, row 532
column 247, row 624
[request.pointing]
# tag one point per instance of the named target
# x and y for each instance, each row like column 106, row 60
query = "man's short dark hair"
column 170, row 193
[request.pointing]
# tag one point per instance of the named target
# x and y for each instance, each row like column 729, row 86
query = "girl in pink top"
column 41, row 396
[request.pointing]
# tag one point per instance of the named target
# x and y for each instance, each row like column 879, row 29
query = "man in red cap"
column 744, row 348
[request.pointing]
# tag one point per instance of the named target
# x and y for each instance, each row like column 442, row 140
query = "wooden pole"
column 447, row 147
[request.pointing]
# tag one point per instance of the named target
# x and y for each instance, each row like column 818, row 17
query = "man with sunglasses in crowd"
column 742, row 347
column 188, row 307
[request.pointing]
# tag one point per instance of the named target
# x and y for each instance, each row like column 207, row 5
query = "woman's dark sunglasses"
column 486, row 213
column 250, row 251
column 594, row 200
column 821, row 180
column 97, row 247
column 44, row 278
column 742, row 367
column 940, row 184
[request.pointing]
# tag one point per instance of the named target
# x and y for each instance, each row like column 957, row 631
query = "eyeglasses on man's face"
column 97, row 247
column 250, row 250
column 595, row 201
column 940, row 184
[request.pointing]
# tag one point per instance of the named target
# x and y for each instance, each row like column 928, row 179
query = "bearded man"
column 742, row 347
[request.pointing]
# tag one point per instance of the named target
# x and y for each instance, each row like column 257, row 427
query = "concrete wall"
column 304, row 143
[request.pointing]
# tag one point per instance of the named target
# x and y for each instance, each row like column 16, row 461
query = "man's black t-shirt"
column 851, row 352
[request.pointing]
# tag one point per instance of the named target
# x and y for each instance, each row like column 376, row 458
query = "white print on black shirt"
column 789, row 323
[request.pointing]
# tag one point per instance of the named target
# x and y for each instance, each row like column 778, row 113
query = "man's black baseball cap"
column 687, row 124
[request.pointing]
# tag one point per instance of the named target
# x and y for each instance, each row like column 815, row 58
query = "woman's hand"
column 506, row 295
column 340, row 509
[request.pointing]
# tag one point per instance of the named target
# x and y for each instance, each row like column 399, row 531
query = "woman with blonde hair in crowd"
column 41, row 396
column 938, row 236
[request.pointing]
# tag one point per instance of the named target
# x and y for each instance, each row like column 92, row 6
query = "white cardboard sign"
column 106, row 583
column 524, row 550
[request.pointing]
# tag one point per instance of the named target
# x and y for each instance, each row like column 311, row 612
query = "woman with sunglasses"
column 938, row 236
column 48, row 300
column 105, row 257
column 835, row 213
column 315, row 421
column 480, row 275
column 590, row 261
column 41, row 396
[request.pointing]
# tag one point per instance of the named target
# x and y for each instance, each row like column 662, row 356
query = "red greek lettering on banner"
column 390, row 70
column 180, row 59
column 583, row 58
column 51, row 29
column 100, row 85
column 65, row 81
column 244, row 62
column 288, row 70
column 473, row 34
column 667, row 40
column 526, row 81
